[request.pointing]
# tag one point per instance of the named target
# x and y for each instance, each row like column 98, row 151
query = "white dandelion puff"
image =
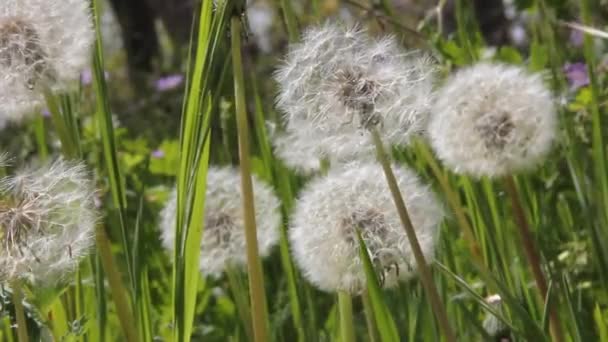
column 294, row 149
column 339, row 82
column 43, row 43
column 223, row 243
column 47, row 222
column 355, row 196
column 492, row 324
column 493, row 120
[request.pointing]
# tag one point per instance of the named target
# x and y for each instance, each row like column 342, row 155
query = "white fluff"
column 322, row 230
column 42, row 42
column 47, row 222
column 223, row 243
column 338, row 82
column 492, row 120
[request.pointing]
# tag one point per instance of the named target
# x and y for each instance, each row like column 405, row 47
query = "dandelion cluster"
column 43, row 44
column 338, row 83
column 47, row 222
column 223, row 243
column 354, row 197
column 492, row 120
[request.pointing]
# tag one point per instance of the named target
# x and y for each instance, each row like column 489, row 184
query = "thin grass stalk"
column 290, row 20
column 463, row 34
column 67, row 145
column 532, row 255
column 40, row 133
column 454, row 202
column 425, row 272
column 239, row 294
column 254, row 264
column 599, row 155
column 368, row 310
column 345, row 304
column 19, row 312
column 123, row 310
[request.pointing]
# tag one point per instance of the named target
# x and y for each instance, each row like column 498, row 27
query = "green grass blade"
column 384, row 321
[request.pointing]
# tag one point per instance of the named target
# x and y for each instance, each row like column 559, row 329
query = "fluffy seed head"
column 355, row 196
column 42, row 43
column 492, row 120
column 223, row 243
column 339, row 82
column 491, row 324
column 47, row 222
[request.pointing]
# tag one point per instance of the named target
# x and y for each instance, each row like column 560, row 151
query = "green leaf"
column 386, row 325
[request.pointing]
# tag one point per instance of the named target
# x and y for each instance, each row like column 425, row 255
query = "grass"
column 131, row 289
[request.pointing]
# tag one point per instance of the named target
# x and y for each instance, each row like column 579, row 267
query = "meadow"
column 339, row 170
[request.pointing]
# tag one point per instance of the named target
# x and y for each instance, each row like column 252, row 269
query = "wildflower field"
column 304, row 170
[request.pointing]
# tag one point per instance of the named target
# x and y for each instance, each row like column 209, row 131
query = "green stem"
column 19, row 312
column 462, row 29
column 368, row 309
column 531, row 251
column 40, row 133
column 425, row 272
column 347, row 330
column 254, row 265
column 119, row 292
column 67, row 144
column 599, row 155
column 454, row 202
column 290, row 20
column 239, row 293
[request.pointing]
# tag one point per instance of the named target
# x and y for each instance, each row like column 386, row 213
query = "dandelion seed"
column 47, row 222
column 223, row 243
column 354, row 197
column 43, row 44
column 339, row 83
column 492, row 120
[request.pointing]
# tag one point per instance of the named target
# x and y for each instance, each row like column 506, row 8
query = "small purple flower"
column 169, row 82
column 577, row 75
column 45, row 112
column 576, row 38
column 86, row 77
column 158, row 153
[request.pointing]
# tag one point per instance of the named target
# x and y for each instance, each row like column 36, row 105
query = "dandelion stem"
column 254, row 266
column 19, row 312
column 531, row 252
column 425, row 272
column 347, row 331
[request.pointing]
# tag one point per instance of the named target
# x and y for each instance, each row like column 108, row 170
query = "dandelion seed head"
column 47, row 222
column 491, row 324
column 355, row 196
column 340, row 81
column 492, row 120
column 43, row 43
column 223, row 243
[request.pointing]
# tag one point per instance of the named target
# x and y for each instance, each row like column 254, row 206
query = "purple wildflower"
column 169, row 82
column 577, row 75
column 576, row 38
column 45, row 112
column 86, row 77
column 158, row 153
